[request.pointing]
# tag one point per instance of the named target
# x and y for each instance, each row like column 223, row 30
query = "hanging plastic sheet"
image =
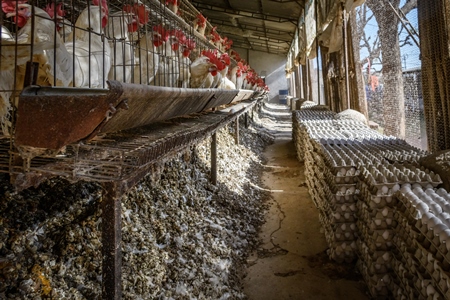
column 301, row 40
column 310, row 28
column 330, row 21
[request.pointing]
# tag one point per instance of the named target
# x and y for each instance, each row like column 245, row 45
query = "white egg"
column 432, row 222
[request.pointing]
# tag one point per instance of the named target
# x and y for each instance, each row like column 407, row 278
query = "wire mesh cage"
column 76, row 65
column 392, row 68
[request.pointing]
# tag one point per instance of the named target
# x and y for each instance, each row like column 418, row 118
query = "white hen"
column 63, row 25
column 54, row 60
column 92, row 53
column 169, row 69
column 147, row 54
column 122, row 52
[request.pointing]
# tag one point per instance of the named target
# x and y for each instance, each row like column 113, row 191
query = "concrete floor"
column 292, row 262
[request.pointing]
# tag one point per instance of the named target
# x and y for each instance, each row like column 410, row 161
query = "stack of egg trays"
column 336, row 205
column 338, row 208
column 394, row 149
column 378, row 217
column 304, row 119
column 376, row 230
column 427, row 255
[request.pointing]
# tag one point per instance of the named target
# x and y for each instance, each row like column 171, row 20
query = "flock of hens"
column 78, row 55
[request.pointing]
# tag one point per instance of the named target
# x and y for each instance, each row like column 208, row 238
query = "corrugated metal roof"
column 262, row 25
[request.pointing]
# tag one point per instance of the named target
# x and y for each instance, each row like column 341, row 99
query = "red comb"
column 212, row 55
column 173, row 2
column 9, row 6
column 50, row 9
column 215, row 37
column 181, row 37
column 225, row 59
column 140, row 10
column 163, row 32
column 201, row 20
column 190, row 44
column 209, row 53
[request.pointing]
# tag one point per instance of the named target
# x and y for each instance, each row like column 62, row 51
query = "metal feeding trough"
column 49, row 118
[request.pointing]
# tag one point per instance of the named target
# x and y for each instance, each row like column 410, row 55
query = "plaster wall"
column 272, row 65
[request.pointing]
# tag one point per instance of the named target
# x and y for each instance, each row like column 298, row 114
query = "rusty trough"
column 52, row 117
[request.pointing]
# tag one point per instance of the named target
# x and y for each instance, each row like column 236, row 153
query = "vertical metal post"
column 237, row 130
column 317, row 50
column 307, row 71
column 214, row 158
column 308, row 78
column 347, row 83
column 246, row 120
column 111, row 241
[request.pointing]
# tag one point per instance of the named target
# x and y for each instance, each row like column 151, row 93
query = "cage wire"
column 395, row 76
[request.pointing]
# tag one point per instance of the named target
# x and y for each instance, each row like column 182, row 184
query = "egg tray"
column 324, row 190
column 405, row 213
column 400, row 278
column 423, row 289
column 375, row 201
column 377, row 287
column 432, row 266
column 342, row 208
column 406, row 255
column 399, row 292
column 314, row 195
column 332, row 177
column 336, row 217
column 430, row 238
column 405, row 230
column 350, row 226
column 347, row 256
column 374, row 238
column 374, row 185
column 437, row 249
column 430, row 277
column 374, row 260
column 336, row 197
column 374, row 217
column 337, row 235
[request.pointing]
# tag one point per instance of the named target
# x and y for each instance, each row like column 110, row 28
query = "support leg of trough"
column 214, row 158
column 246, row 119
column 111, row 241
column 237, row 130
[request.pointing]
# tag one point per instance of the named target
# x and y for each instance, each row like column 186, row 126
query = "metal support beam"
column 111, row 241
column 347, row 80
column 317, row 51
column 246, row 120
column 276, row 32
column 237, row 130
column 214, row 158
column 243, row 13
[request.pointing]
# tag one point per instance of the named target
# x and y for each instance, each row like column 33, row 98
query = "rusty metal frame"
column 51, row 118
column 131, row 155
column 111, row 214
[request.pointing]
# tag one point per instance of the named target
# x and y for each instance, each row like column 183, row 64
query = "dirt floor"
column 292, row 262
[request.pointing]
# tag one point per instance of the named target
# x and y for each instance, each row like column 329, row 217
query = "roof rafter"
column 253, row 28
column 243, row 13
column 279, row 38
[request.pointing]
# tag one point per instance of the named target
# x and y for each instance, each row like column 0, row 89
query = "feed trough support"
column 151, row 153
column 111, row 240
